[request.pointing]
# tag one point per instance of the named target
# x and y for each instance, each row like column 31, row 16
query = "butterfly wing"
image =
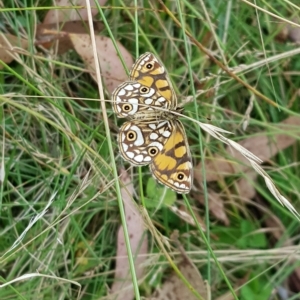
column 149, row 88
column 149, row 71
column 153, row 138
column 164, row 146
column 172, row 166
column 140, row 141
column 132, row 99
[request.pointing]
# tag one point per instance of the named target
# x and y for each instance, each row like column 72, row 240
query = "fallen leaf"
column 244, row 186
column 63, row 15
column 216, row 205
column 122, row 288
column 262, row 146
column 294, row 34
column 289, row 32
column 56, row 34
column 276, row 228
column 184, row 214
column 112, row 69
column 8, row 47
column 174, row 288
column 294, row 279
column 228, row 295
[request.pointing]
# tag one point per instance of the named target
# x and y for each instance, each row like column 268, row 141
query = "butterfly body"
column 154, row 135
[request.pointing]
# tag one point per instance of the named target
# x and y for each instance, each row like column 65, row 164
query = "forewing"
column 149, row 71
column 132, row 99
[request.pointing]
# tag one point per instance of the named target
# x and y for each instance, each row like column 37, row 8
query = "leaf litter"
column 261, row 146
column 113, row 72
column 174, row 289
column 122, row 288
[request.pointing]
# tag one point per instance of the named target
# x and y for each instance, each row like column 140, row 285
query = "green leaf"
column 257, row 289
column 158, row 195
column 250, row 238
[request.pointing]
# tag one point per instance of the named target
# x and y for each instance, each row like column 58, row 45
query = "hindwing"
column 163, row 145
column 173, row 165
column 141, row 141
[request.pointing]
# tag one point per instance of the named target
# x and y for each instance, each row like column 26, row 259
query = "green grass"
column 54, row 146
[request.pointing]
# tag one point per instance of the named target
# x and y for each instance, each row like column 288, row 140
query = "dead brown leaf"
column 63, row 15
column 262, row 146
column 216, row 205
column 122, row 288
column 61, row 21
column 8, row 47
column 244, row 186
column 289, row 32
column 174, row 288
column 277, row 229
column 228, row 295
column 185, row 215
column 294, row 34
column 56, row 34
column 294, row 280
column 112, row 69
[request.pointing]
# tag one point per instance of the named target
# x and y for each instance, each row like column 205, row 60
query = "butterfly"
column 153, row 135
